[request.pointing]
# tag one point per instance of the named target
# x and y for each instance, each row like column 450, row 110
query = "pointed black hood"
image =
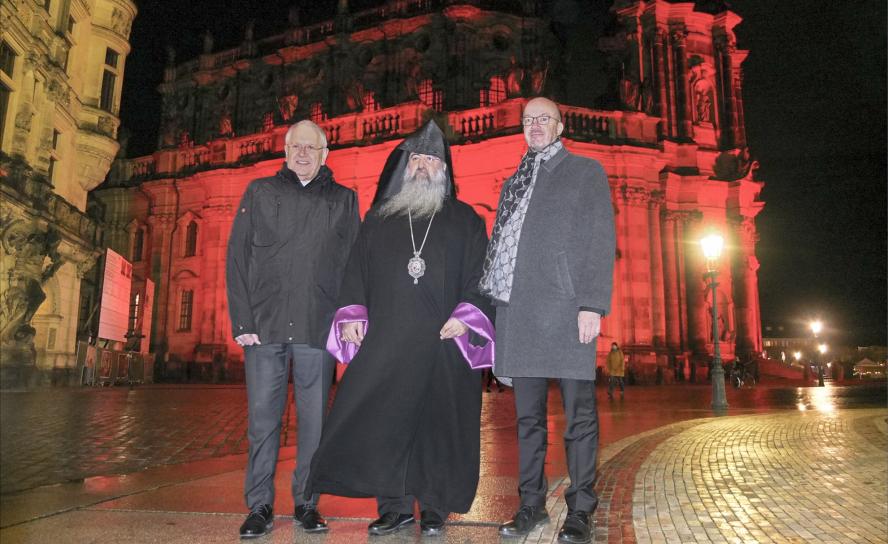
column 428, row 140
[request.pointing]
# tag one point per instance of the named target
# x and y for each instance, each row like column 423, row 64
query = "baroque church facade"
column 61, row 75
column 664, row 116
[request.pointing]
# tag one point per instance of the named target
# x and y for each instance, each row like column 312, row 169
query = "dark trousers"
column 404, row 505
column 612, row 381
column 267, row 367
column 580, row 441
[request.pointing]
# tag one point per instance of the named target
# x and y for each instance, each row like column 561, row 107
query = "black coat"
column 406, row 419
column 286, row 255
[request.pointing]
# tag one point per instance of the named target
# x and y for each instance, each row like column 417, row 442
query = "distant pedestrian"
column 616, row 369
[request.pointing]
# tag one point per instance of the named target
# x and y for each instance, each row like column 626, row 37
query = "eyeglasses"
column 539, row 119
column 299, row 148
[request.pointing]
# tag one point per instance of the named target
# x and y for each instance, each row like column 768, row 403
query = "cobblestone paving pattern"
column 66, row 437
column 788, row 477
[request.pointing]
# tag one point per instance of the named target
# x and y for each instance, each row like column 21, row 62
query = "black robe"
column 406, row 418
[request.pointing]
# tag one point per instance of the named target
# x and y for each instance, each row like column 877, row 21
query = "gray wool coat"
column 565, row 262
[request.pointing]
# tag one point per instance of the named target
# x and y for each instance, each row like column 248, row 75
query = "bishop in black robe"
column 405, row 423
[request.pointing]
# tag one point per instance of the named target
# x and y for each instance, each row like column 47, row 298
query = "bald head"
column 305, row 147
column 542, row 123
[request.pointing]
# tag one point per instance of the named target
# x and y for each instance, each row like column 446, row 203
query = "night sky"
column 815, row 102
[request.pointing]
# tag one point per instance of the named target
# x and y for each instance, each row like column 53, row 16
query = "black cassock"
column 406, row 418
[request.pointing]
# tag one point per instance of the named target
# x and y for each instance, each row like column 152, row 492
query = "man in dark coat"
column 549, row 270
column 286, row 255
column 405, row 425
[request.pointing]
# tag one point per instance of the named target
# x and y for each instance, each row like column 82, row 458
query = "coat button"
column 240, row 327
column 290, row 338
column 243, row 210
column 291, row 323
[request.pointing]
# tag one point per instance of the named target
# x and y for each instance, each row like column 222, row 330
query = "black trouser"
column 404, row 505
column 611, row 383
column 580, row 441
column 267, row 368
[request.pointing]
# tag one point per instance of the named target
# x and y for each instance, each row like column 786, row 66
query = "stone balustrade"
column 363, row 127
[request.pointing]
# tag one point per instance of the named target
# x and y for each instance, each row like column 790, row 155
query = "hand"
column 453, row 328
column 248, row 340
column 589, row 324
column 352, row 332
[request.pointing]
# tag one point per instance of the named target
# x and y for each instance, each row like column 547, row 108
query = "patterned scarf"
column 499, row 263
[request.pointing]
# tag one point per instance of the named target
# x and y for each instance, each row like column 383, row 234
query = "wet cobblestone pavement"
column 787, row 464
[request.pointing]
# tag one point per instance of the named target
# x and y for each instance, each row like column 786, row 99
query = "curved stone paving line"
column 785, row 477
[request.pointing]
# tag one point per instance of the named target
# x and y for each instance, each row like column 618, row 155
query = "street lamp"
column 816, row 327
column 712, row 246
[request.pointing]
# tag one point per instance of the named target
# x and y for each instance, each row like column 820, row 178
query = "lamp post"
column 712, row 248
column 816, row 327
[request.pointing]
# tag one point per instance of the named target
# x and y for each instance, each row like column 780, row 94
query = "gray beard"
column 422, row 196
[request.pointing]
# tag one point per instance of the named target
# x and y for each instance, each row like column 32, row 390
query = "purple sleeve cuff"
column 345, row 351
column 478, row 357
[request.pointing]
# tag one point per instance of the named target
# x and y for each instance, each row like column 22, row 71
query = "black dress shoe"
column 389, row 523
column 308, row 517
column 526, row 519
column 258, row 523
column 431, row 523
column 576, row 529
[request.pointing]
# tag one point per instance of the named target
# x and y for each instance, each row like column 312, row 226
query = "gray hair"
column 314, row 127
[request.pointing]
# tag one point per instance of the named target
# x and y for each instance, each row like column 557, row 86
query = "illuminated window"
column 185, row 309
column 370, row 101
column 191, row 240
column 429, row 96
column 134, row 313
column 317, row 112
column 497, row 90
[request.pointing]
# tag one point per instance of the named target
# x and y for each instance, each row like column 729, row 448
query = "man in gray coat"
column 286, row 257
column 549, row 271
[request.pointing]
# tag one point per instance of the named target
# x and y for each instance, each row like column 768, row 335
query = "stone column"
column 674, row 307
column 682, row 83
column 695, row 285
column 658, row 306
column 745, row 293
column 161, row 229
column 662, row 69
column 216, row 225
column 637, row 255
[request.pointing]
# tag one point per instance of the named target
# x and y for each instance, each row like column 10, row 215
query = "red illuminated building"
column 666, row 122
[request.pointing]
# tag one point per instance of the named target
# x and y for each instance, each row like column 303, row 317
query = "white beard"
column 421, row 195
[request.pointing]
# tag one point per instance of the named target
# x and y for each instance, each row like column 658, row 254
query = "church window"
column 317, row 112
column 186, row 307
column 138, row 245
column 430, row 96
column 370, row 103
column 191, row 240
column 494, row 93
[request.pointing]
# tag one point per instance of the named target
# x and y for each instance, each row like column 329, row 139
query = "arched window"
column 191, row 239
